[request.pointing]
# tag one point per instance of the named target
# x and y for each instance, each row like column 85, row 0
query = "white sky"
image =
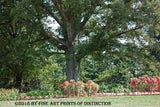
column 52, row 23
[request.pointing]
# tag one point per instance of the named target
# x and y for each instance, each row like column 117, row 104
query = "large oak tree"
column 87, row 26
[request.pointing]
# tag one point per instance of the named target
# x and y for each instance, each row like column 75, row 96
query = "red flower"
column 96, row 85
column 78, row 83
column 158, row 79
column 157, row 87
column 134, row 83
column 61, row 85
column 72, row 81
column 151, row 81
column 86, row 85
column 89, row 81
column 141, row 86
column 66, row 83
column 142, row 79
column 81, row 82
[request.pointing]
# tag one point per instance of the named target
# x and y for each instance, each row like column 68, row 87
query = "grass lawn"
column 116, row 101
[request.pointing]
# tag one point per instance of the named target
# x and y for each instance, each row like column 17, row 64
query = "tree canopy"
column 85, row 27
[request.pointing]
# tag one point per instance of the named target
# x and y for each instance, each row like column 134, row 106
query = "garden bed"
column 98, row 95
column 128, row 94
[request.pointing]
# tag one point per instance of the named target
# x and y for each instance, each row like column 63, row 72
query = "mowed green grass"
column 116, row 101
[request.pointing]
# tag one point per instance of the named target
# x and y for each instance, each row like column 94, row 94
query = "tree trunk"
column 73, row 67
column 18, row 82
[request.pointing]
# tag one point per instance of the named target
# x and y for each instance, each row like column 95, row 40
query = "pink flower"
column 146, row 79
column 141, row 86
column 151, row 81
column 142, row 79
column 134, row 83
column 158, row 79
column 157, row 87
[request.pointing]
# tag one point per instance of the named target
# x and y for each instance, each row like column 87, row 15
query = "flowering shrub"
column 146, row 84
column 91, row 88
column 134, row 84
column 79, row 88
column 9, row 94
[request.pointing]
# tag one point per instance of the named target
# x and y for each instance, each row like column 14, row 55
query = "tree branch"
column 81, row 54
column 69, row 34
column 51, row 36
column 107, row 26
column 57, row 39
column 58, row 52
column 125, row 32
column 38, row 40
column 128, row 1
column 83, row 23
column 61, row 11
column 73, row 17
column 49, row 11
column 105, row 29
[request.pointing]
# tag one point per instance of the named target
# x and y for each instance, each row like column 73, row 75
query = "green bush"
column 51, row 93
column 9, row 94
column 58, row 92
column 103, row 88
column 116, row 88
column 120, row 89
column 44, row 93
column 35, row 93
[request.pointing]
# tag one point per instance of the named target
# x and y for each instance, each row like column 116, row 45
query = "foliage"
column 110, row 69
column 52, row 74
column 35, row 93
column 22, row 96
column 22, row 49
column 120, row 89
column 44, row 93
column 113, row 88
column 9, row 94
column 103, row 88
column 51, row 93
column 58, row 93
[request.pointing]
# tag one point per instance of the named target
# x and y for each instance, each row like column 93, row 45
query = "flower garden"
column 139, row 86
column 146, row 84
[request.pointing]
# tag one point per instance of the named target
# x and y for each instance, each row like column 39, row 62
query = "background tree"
column 21, row 48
